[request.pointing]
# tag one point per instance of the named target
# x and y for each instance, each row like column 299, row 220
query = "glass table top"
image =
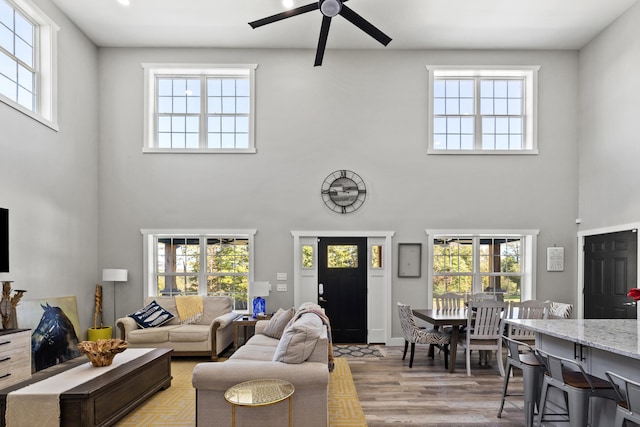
column 259, row 392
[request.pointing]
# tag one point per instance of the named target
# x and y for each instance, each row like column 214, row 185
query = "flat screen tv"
column 4, row 240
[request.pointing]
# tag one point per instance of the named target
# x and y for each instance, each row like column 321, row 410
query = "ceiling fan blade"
column 283, row 15
column 364, row 25
column 322, row 41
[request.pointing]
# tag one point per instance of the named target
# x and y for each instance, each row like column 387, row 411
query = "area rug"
column 357, row 350
column 175, row 406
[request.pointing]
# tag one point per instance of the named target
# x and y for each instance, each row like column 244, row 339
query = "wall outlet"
column 282, row 287
column 281, row 276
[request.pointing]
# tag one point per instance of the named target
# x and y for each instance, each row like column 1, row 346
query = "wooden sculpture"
column 98, row 310
column 102, row 352
column 8, row 304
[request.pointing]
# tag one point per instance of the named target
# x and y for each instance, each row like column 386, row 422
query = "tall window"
column 482, row 110
column 27, row 60
column 200, row 264
column 497, row 264
column 199, row 108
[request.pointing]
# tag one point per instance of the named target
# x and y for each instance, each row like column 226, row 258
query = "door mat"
column 357, row 350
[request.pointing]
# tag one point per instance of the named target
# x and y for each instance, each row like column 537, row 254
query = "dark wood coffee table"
column 109, row 397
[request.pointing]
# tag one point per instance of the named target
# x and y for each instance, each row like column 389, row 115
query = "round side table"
column 261, row 392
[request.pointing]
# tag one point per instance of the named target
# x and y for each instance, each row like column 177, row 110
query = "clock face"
column 343, row 191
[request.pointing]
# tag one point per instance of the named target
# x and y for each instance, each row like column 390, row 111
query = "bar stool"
column 578, row 387
column 628, row 393
column 532, row 374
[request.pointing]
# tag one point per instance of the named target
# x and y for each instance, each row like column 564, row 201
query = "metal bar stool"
column 628, row 398
column 532, row 374
column 578, row 387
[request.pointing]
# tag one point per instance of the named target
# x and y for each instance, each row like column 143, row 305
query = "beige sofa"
column 254, row 360
column 210, row 335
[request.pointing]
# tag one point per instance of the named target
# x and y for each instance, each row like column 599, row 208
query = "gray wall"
column 609, row 126
column 49, row 181
column 362, row 110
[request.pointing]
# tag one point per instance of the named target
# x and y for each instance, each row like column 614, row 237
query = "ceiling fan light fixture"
column 330, row 8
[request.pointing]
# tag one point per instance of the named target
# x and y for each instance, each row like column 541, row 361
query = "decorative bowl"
column 102, row 352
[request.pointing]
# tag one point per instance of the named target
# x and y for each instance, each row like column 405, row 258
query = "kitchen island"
column 600, row 345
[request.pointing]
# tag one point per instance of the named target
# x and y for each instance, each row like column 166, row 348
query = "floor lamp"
column 114, row 275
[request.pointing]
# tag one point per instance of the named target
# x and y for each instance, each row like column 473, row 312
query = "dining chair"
column 449, row 301
column 578, row 387
column 484, row 330
column 481, row 296
column 415, row 335
column 560, row 310
column 529, row 309
column 628, row 399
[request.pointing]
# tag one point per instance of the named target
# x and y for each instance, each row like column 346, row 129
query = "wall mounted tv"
column 4, row 240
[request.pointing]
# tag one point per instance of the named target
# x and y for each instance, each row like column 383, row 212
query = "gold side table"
column 261, row 392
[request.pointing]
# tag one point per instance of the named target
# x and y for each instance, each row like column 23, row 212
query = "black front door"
column 610, row 270
column 342, row 287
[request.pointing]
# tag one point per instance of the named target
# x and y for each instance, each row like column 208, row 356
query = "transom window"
column 193, row 108
column 200, row 264
column 498, row 264
column 483, row 111
column 27, row 58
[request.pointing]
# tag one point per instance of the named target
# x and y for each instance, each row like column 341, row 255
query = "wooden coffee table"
column 109, row 397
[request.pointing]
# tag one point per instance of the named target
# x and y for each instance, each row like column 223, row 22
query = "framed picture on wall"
column 409, row 259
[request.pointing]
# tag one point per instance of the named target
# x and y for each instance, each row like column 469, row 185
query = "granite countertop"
column 620, row 336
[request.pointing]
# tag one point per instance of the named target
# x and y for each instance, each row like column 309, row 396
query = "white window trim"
column 46, row 66
column 151, row 70
column 148, row 251
column 529, row 255
column 530, row 72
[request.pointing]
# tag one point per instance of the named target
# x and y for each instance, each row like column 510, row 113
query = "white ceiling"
column 412, row 24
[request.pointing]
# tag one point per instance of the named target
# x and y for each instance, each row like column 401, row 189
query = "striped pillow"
column 151, row 316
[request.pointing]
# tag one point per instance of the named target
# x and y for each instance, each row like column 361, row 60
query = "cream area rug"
column 175, row 406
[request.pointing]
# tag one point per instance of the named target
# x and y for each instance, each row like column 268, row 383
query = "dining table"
column 443, row 317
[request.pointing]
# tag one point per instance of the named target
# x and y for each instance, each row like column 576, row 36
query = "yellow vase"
column 104, row 333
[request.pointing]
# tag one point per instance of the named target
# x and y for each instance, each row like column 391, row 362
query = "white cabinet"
column 15, row 356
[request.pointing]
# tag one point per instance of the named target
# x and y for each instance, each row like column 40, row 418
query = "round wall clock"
column 343, row 191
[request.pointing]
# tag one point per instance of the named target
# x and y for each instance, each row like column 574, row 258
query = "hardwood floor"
column 426, row 395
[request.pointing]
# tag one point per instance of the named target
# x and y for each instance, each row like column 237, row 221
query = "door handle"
column 630, row 304
column 322, row 299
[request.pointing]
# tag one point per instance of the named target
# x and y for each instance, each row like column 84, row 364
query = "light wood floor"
column 427, row 395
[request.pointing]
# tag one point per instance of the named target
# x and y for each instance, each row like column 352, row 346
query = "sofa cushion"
column 189, row 333
column 299, row 339
column 213, row 308
column 150, row 335
column 169, row 304
column 151, row 316
column 278, row 323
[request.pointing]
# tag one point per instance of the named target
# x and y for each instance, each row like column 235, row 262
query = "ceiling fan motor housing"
column 330, row 8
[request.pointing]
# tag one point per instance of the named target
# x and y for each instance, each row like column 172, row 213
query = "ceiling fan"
column 329, row 9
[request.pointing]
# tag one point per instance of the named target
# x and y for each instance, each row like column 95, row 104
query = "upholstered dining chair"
column 484, row 330
column 415, row 335
column 449, row 301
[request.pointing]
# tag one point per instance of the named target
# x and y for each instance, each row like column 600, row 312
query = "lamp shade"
column 114, row 275
column 260, row 289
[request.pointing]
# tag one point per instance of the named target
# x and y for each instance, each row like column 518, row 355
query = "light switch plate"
column 281, row 276
column 282, row 287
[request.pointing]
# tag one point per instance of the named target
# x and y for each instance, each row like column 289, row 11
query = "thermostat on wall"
column 555, row 259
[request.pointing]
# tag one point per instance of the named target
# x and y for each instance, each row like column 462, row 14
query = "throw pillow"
column 299, row 339
column 151, row 316
column 278, row 322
